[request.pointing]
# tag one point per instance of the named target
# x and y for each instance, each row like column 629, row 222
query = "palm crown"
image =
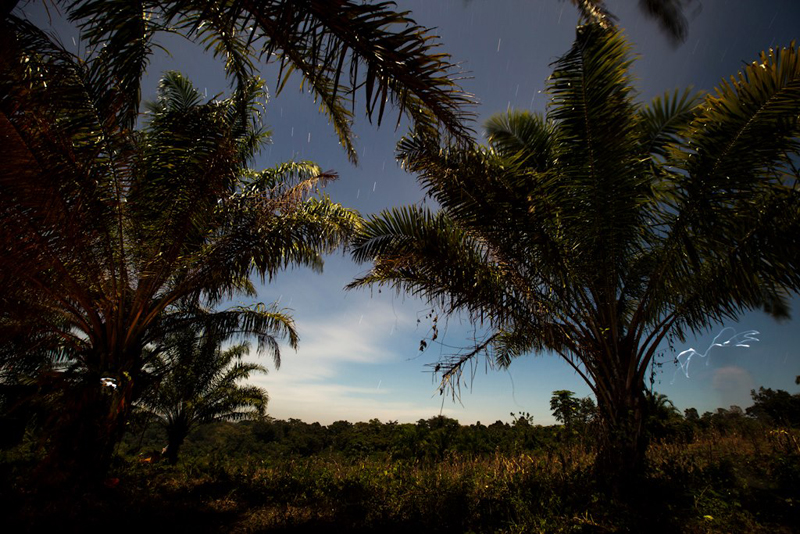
column 603, row 228
column 112, row 238
column 199, row 382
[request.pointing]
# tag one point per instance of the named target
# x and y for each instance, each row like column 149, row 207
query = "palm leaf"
column 665, row 119
column 340, row 48
column 601, row 181
column 748, row 126
column 525, row 135
column 125, row 51
column 429, row 255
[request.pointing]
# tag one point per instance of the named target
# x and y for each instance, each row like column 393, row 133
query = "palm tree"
column 607, row 227
column 341, row 48
column 662, row 419
column 199, row 384
column 113, row 238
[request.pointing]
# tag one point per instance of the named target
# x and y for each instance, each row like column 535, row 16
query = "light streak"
column 740, row 339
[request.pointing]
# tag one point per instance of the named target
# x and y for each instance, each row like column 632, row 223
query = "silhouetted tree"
column 603, row 229
column 776, row 407
column 200, row 383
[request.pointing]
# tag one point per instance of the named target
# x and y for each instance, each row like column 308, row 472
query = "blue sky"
column 358, row 357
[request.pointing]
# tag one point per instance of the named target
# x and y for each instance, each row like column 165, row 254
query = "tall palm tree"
column 112, row 238
column 199, row 383
column 607, row 227
column 341, row 49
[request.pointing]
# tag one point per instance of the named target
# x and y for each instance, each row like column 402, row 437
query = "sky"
column 359, row 357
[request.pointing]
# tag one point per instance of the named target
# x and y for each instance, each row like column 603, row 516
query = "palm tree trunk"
column 623, row 442
column 85, row 432
column 176, row 434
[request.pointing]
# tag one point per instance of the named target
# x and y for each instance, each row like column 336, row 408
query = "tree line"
column 437, row 438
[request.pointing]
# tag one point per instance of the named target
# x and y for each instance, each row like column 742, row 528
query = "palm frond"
column 665, row 119
column 595, row 12
column 124, row 52
column 433, row 257
column 670, row 16
column 398, row 57
column 601, row 182
column 267, row 323
column 731, row 217
column 340, row 49
column 747, row 126
column 176, row 94
column 522, row 134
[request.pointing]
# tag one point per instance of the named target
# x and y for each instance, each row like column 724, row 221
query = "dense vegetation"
column 124, row 223
column 720, row 472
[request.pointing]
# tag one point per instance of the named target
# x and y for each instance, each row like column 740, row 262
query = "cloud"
column 337, row 350
column 733, row 385
column 328, row 401
column 353, row 364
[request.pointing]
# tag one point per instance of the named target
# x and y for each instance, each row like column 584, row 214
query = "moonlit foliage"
column 112, row 238
column 607, row 226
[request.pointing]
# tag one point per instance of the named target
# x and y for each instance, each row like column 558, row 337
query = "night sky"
column 358, row 357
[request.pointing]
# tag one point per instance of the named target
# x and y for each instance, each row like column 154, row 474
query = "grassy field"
column 718, row 483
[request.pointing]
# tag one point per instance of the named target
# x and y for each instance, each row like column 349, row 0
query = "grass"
column 718, row 484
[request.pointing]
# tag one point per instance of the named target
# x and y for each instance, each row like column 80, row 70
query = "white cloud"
column 328, row 401
column 313, row 384
column 733, row 385
column 360, row 361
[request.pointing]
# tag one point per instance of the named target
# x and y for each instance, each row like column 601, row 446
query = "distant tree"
column 564, row 406
column 338, row 434
column 660, row 406
column 200, row 383
column 663, row 419
column 572, row 412
column 730, row 420
column 522, row 419
column 776, row 407
column 587, row 409
column 576, row 414
column 523, row 432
